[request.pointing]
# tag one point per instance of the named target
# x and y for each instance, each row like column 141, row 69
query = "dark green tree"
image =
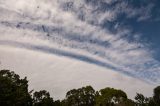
column 110, row 97
column 141, row 100
column 13, row 90
column 64, row 102
column 42, row 98
column 127, row 102
column 156, row 95
column 57, row 103
column 84, row 96
column 151, row 102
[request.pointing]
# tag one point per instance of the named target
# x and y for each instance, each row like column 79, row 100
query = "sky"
column 72, row 43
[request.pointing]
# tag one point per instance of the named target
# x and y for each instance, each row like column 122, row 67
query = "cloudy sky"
column 64, row 44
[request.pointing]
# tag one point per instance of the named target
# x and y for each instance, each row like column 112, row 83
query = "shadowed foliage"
column 14, row 92
column 42, row 98
column 156, row 96
column 84, row 96
column 110, row 97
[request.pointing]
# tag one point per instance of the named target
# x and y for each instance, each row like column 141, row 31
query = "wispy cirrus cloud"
column 74, row 29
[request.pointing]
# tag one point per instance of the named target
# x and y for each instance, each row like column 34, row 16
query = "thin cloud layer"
column 78, row 27
column 59, row 74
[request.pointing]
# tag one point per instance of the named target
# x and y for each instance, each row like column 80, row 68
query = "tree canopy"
column 14, row 92
column 84, row 96
column 110, row 96
column 42, row 98
column 156, row 95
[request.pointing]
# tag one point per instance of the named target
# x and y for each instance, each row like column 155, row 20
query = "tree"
column 156, row 95
column 13, row 90
column 141, row 100
column 42, row 98
column 127, row 102
column 110, row 97
column 151, row 102
column 84, row 96
column 57, row 103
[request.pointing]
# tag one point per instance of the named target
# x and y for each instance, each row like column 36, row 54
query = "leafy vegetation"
column 14, row 92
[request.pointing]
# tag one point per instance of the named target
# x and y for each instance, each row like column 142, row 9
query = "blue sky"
column 147, row 28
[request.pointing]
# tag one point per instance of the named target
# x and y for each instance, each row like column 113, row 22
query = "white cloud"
column 59, row 74
column 141, row 13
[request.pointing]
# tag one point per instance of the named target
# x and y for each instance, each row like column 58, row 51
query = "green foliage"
column 152, row 102
column 42, row 98
column 84, row 96
column 110, row 97
column 13, row 90
column 156, row 95
column 57, row 103
column 127, row 102
column 141, row 100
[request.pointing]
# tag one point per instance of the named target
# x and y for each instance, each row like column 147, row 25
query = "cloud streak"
column 58, row 74
column 77, row 26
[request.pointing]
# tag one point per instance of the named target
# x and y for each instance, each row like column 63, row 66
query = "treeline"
column 14, row 92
